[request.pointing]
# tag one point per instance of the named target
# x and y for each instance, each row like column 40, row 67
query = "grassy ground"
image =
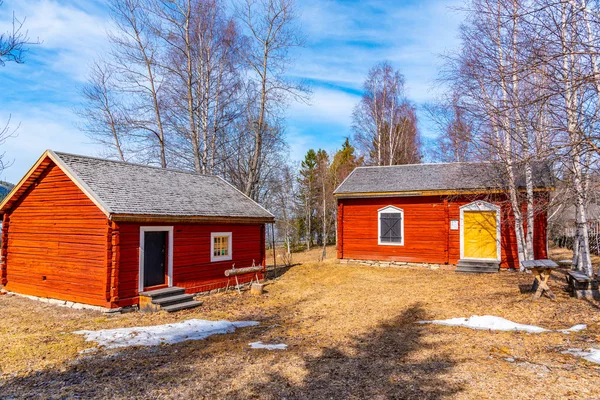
column 352, row 333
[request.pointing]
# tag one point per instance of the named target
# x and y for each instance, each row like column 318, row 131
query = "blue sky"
column 344, row 39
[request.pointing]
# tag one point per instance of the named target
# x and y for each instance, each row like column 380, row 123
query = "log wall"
column 55, row 244
column 192, row 268
column 427, row 234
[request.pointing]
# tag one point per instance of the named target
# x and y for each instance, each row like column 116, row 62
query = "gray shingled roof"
column 124, row 188
column 426, row 177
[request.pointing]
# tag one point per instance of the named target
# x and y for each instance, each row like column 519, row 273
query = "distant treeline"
column 5, row 188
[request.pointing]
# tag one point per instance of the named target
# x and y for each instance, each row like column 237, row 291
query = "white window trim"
column 480, row 206
column 229, row 255
column 168, row 229
column 390, row 209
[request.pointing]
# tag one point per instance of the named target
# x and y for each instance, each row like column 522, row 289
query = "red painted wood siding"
column 192, row 267
column 427, row 235
column 55, row 231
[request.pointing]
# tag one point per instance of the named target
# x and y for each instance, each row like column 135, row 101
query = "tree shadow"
column 385, row 364
column 394, row 361
column 279, row 271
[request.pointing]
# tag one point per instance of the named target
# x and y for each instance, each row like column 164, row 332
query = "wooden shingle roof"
column 434, row 178
column 132, row 191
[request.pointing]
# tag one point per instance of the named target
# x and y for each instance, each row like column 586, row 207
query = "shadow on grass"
column 384, row 364
column 279, row 271
column 389, row 363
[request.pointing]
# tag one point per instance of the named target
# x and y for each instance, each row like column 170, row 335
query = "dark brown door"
column 155, row 257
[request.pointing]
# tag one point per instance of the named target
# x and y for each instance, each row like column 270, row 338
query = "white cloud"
column 74, row 35
column 322, row 124
column 346, row 39
column 326, row 106
column 40, row 129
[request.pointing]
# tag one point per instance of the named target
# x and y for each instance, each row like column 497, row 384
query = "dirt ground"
column 352, row 333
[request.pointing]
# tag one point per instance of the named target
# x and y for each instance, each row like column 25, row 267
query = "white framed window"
column 220, row 246
column 390, row 226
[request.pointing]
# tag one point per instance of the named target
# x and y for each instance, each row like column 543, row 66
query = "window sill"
column 391, row 244
column 219, row 259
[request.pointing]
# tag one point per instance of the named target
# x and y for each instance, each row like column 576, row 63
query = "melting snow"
column 592, row 355
column 486, row 322
column 193, row 329
column 261, row 345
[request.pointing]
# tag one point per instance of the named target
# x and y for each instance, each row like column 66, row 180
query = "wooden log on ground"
column 243, row 271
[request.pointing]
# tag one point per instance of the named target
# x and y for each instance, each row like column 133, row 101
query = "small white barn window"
column 391, row 226
column 220, row 246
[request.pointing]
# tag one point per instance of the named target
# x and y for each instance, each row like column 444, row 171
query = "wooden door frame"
column 480, row 205
column 143, row 230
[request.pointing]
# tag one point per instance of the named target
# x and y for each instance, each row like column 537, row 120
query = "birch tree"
column 454, row 128
column 202, row 77
column 106, row 121
column 270, row 33
column 385, row 122
column 134, row 61
column 499, row 92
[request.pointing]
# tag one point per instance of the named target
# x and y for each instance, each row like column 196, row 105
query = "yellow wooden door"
column 480, row 234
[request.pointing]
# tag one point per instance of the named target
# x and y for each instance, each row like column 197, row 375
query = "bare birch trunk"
column 581, row 258
column 507, row 149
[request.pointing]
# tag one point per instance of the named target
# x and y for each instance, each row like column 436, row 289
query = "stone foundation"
column 63, row 303
column 399, row 264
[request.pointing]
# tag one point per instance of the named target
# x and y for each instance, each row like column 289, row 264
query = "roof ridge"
column 59, row 153
column 421, row 164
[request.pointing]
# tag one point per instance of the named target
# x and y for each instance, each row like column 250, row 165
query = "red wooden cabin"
column 446, row 214
column 99, row 232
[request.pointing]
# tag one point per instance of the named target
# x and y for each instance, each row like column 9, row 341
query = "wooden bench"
column 541, row 270
column 582, row 286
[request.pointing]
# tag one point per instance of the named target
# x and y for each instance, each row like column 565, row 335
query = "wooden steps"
column 168, row 299
column 478, row 267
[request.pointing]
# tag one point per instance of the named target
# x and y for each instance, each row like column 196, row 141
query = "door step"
column 169, row 299
column 182, row 306
column 478, row 267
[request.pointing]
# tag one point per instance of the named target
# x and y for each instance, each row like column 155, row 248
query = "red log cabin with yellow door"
column 100, row 232
column 454, row 214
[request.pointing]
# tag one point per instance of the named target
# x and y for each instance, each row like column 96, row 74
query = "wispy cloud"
column 345, row 38
column 41, row 128
column 41, row 94
column 72, row 33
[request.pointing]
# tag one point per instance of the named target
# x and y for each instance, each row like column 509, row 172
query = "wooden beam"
column 429, row 193
column 189, row 219
column 4, row 250
column 115, row 262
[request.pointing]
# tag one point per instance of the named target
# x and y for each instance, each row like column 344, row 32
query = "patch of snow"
column 574, row 328
column 193, row 329
column 592, row 355
column 493, row 323
column 261, row 345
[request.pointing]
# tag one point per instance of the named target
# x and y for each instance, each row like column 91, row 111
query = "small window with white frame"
column 391, row 226
column 220, row 246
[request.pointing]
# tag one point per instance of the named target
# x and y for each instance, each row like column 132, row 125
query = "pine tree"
column 308, row 195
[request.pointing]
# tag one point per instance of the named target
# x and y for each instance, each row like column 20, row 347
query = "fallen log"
column 243, row 271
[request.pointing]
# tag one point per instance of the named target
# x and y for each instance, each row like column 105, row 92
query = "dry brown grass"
column 352, row 332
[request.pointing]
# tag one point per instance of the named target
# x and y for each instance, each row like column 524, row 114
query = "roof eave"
column 149, row 218
column 417, row 193
column 23, row 184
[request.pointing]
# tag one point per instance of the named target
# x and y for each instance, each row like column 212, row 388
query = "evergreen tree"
column 308, row 196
